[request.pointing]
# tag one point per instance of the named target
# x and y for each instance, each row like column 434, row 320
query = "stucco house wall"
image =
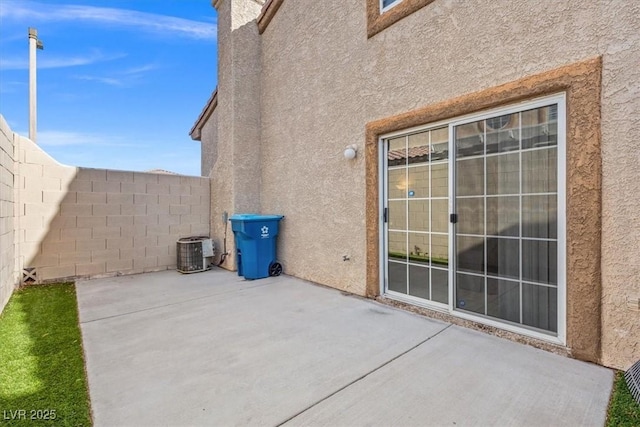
column 235, row 144
column 206, row 129
column 209, row 151
column 332, row 87
column 322, row 80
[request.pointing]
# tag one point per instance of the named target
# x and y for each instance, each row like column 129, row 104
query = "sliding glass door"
column 494, row 206
column 417, row 212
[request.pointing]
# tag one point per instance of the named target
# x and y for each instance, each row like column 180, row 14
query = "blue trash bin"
column 256, row 244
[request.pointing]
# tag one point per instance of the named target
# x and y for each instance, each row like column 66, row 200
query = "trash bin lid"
column 255, row 217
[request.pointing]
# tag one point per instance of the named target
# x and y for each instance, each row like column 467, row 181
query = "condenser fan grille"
column 190, row 255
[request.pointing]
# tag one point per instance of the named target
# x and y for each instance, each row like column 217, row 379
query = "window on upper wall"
column 383, row 13
column 387, row 4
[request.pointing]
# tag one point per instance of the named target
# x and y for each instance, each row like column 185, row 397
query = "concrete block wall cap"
column 35, row 149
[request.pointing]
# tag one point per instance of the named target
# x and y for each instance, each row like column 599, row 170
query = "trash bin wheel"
column 275, row 269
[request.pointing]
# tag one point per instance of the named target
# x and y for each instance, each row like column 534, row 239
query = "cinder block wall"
column 7, row 218
column 79, row 222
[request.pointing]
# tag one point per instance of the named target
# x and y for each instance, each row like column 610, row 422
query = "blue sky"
column 120, row 82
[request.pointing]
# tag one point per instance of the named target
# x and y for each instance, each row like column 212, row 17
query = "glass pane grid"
column 489, row 196
column 508, row 279
column 405, row 231
column 520, row 295
column 410, row 200
column 484, row 200
column 506, row 199
column 513, row 283
column 417, row 165
column 499, row 236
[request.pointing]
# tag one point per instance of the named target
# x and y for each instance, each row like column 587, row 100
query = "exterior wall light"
column 350, row 152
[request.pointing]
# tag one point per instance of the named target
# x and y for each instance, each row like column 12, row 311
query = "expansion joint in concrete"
column 362, row 377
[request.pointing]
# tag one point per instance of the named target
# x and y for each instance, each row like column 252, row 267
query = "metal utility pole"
column 34, row 44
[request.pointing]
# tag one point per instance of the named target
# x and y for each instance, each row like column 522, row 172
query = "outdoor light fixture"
column 350, row 152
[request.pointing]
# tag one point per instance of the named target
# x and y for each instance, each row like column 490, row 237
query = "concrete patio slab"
column 214, row 349
column 465, row 378
column 127, row 294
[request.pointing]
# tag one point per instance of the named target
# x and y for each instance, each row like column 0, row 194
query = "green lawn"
column 624, row 411
column 42, row 376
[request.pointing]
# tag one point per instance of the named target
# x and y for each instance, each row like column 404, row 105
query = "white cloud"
column 124, row 78
column 111, row 81
column 141, row 69
column 28, row 11
column 56, row 138
column 58, row 62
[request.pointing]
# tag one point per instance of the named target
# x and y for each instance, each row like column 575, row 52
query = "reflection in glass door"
column 417, row 213
column 506, row 245
column 506, row 193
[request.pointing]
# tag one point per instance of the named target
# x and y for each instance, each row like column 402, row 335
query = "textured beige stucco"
column 221, row 201
column 209, row 144
column 222, row 181
column 377, row 21
column 268, row 12
column 236, row 177
column 620, row 183
column 314, row 104
column 322, row 80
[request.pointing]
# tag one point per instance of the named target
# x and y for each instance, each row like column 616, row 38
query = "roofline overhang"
column 196, row 130
column 268, row 12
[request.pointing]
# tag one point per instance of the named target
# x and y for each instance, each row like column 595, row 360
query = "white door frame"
column 560, row 100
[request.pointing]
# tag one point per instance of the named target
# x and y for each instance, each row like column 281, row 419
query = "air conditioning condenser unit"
column 194, row 254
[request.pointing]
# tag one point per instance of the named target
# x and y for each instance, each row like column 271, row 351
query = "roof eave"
column 196, row 131
column 268, row 12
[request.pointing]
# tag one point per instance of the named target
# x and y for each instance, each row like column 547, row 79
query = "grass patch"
column 624, row 411
column 42, row 375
